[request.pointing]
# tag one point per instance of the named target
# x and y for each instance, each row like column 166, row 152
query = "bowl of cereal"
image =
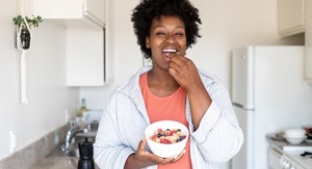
column 166, row 138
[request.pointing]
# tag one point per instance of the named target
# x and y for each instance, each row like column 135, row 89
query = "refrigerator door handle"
column 238, row 105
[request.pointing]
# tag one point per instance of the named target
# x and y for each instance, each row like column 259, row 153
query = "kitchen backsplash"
column 36, row 151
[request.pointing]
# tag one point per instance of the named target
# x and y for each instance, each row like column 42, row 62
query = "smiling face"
column 167, row 35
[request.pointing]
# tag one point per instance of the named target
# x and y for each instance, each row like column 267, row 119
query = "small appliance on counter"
column 86, row 155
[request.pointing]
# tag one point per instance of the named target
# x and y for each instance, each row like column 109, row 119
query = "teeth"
column 169, row 51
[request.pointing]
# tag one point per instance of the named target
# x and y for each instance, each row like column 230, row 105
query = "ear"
column 147, row 42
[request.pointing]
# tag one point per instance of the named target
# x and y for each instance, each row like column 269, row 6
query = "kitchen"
column 226, row 25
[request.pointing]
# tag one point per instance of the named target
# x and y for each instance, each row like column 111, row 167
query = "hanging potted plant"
column 24, row 25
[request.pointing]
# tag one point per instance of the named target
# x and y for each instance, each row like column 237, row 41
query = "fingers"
column 180, row 69
column 178, row 157
column 165, row 160
column 142, row 144
column 177, row 64
column 178, row 59
column 172, row 159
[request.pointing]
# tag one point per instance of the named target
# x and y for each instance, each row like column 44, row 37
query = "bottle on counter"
column 82, row 108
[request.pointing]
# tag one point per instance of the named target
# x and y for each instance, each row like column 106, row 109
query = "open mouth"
column 167, row 51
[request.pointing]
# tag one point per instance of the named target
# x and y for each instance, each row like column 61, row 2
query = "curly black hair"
column 147, row 10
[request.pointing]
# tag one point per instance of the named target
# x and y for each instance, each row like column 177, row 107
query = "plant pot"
column 25, row 38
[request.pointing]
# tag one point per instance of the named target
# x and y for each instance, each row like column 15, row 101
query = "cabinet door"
column 56, row 9
column 274, row 159
column 85, row 57
column 95, row 9
column 308, row 42
column 70, row 13
column 291, row 17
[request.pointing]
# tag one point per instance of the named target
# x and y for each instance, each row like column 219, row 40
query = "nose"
column 170, row 38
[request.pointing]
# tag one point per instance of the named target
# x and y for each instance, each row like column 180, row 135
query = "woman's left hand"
column 143, row 158
column 184, row 71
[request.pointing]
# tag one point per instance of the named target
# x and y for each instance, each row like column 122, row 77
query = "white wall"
column 47, row 93
column 226, row 25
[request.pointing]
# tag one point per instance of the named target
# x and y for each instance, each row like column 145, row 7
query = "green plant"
column 31, row 22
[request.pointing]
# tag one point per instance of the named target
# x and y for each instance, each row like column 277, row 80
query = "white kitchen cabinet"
column 291, row 17
column 70, row 13
column 87, row 63
column 308, row 42
column 84, row 21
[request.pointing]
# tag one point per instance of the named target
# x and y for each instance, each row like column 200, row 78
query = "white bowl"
column 295, row 133
column 166, row 150
column 295, row 140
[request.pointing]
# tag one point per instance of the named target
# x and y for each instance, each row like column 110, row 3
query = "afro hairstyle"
column 147, row 10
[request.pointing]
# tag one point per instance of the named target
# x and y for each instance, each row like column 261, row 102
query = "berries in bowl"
column 166, row 138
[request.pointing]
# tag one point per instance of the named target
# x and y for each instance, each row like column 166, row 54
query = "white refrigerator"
column 269, row 95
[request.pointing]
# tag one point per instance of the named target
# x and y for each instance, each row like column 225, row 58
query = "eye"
column 179, row 34
column 160, row 33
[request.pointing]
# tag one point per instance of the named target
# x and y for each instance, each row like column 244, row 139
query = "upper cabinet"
column 70, row 13
column 308, row 41
column 87, row 64
column 84, row 20
column 295, row 16
column 291, row 17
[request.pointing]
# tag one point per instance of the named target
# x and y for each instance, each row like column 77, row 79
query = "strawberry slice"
column 168, row 133
column 154, row 137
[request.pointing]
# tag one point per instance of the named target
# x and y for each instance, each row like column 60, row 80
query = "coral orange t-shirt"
column 167, row 108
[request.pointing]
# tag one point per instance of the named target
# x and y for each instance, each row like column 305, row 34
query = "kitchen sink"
column 72, row 151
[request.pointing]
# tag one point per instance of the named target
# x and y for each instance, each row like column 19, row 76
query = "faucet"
column 69, row 137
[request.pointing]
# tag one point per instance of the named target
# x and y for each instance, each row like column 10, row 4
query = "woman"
column 173, row 89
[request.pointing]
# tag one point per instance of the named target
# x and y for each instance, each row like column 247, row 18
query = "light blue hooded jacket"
column 217, row 139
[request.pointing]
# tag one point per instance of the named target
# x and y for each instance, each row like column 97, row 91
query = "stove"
column 292, row 159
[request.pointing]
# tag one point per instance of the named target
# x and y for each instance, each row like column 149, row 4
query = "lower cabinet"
column 274, row 159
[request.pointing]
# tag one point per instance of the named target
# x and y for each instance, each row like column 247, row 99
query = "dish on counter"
column 307, row 128
column 277, row 136
column 309, row 136
column 295, row 140
column 295, row 133
column 308, row 140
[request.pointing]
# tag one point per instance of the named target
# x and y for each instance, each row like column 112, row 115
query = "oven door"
column 274, row 159
column 288, row 162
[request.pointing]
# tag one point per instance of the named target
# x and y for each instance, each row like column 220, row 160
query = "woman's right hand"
column 143, row 158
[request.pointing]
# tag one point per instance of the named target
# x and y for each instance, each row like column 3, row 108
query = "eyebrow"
column 157, row 26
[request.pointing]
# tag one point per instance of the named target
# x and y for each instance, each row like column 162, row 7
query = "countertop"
column 279, row 144
column 290, row 153
column 57, row 163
